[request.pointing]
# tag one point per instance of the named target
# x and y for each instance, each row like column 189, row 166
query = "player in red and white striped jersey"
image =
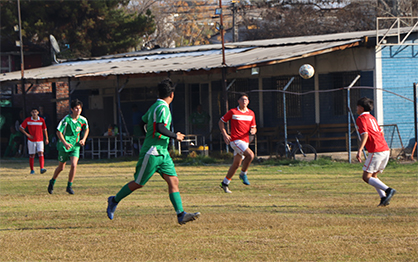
column 242, row 125
column 372, row 137
column 36, row 130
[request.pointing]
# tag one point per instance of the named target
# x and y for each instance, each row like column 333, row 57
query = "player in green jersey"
column 69, row 144
column 154, row 156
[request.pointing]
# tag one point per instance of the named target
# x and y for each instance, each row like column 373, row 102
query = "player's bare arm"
column 26, row 133
column 83, row 140
column 253, row 130
column 364, row 137
column 62, row 139
column 46, row 137
column 225, row 135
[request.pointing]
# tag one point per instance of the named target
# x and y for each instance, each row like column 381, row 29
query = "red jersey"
column 241, row 123
column 376, row 141
column 35, row 128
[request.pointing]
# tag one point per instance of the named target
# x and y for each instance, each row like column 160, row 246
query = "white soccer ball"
column 306, row 71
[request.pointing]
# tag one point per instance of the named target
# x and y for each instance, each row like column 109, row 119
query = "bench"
column 316, row 134
column 267, row 137
column 333, row 132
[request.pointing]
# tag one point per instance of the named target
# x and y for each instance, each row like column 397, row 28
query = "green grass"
column 320, row 211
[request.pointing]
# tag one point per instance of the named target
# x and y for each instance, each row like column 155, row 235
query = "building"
column 262, row 68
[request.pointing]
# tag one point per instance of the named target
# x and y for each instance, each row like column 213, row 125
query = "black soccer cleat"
column 70, row 190
column 51, row 187
column 389, row 194
column 382, row 200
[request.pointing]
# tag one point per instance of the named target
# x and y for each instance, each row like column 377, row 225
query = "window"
column 344, row 79
column 293, row 102
column 138, row 94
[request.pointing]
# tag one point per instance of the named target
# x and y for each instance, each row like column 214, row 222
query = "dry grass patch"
column 289, row 213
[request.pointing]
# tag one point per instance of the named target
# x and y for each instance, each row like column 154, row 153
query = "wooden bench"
column 315, row 134
column 267, row 137
column 332, row 132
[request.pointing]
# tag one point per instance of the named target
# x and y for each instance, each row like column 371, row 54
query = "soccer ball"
column 306, row 71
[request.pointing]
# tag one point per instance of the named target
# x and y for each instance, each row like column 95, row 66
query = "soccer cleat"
column 244, row 179
column 389, row 194
column 50, row 187
column 43, row 170
column 225, row 187
column 70, row 190
column 111, row 207
column 382, row 200
column 32, row 172
column 184, row 217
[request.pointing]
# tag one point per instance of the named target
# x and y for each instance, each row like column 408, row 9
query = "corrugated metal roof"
column 194, row 58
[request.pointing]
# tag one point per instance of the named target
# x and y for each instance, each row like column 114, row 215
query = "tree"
column 179, row 23
column 287, row 18
column 90, row 28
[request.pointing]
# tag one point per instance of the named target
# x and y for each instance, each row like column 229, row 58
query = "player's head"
column 76, row 102
column 34, row 112
column 165, row 88
column 364, row 104
column 76, row 107
column 243, row 100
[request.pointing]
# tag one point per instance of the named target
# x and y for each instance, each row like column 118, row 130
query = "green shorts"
column 64, row 156
column 149, row 164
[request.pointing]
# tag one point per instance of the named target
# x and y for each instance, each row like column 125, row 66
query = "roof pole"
column 22, row 65
column 224, row 80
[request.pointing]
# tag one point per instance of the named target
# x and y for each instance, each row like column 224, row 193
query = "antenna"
column 55, row 49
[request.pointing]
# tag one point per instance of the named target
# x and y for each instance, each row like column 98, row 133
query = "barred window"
column 293, row 102
column 344, row 79
column 138, row 94
column 238, row 87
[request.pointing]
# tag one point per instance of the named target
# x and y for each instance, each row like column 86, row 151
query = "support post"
column 415, row 118
column 284, row 117
column 119, row 116
column 349, row 117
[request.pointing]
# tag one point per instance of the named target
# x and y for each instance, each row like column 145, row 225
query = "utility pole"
column 224, row 68
column 22, row 65
column 234, row 22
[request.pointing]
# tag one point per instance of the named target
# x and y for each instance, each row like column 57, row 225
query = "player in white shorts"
column 239, row 147
column 373, row 139
column 242, row 125
column 36, row 132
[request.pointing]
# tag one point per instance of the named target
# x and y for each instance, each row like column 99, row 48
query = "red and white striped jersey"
column 35, row 128
column 376, row 141
column 241, row 123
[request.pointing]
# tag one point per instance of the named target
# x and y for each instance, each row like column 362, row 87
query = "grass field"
column 320, row 212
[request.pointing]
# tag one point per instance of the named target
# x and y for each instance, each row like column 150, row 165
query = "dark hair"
column 366, row 103
column 165, row 88
column 34, row 108
column 76, row 102
column 243, row 94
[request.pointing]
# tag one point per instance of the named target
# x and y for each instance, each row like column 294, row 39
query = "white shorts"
column 239, row 147
column 376, row 162
column 34, row 147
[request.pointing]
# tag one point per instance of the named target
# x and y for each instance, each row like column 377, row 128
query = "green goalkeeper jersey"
column 159, row 112
column 71, row 130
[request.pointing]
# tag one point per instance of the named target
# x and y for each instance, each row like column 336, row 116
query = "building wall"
column 53, row 96
column 399, row 72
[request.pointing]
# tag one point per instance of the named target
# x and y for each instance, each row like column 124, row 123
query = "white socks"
column 226, row 181
column 377, row 184
column 380, row 192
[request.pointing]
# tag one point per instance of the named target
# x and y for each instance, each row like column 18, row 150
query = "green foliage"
column 91, row 28
column 197, row 161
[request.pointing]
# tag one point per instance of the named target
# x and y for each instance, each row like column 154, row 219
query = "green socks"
column 124, row 192
column 69, row 184
column 53, row 181
column 176, row 201
column 174, row 198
